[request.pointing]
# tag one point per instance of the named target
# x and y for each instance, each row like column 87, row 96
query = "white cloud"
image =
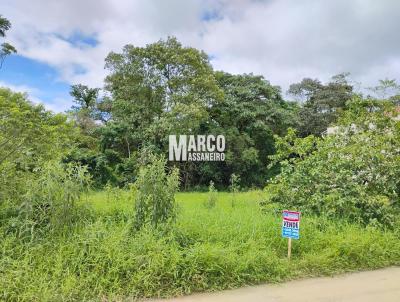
column 19, row 88
column 57, row 105
column 284, row 40
column 288, row 40
column 31, row 92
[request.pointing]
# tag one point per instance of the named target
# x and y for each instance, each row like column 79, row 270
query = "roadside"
column 380, row 285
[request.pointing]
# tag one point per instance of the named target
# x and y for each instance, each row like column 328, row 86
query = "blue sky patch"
column 40, row 77
column 210, row 15
column 78, row 39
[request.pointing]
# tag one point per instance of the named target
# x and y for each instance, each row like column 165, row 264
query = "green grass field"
column 227, row 246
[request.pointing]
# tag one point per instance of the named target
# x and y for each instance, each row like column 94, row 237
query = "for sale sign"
column 291, row 224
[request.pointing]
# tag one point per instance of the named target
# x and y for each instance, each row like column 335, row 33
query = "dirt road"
column 372, row 286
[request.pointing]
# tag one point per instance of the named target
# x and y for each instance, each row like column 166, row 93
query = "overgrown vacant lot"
column 224, row 246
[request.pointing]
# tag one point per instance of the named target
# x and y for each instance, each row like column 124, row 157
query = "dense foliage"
column 322, row 103
column 29, row 137
column 37, row 193
column 352, row 173
column 251, row 112
column 49, row 202
column 166, row 88
column 6, row 48
column 61, row 243
column 225, row 247
column 155, row 194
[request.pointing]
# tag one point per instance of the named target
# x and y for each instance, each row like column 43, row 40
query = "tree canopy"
column 29, row 137
column 165, row 88
column 323, row 103
column 352, row 173
column 6, row 49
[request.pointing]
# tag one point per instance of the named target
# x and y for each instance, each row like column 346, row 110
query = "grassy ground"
column 208, row 249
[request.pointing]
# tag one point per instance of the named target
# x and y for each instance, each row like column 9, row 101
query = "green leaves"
column 6, row 48
column 251, row 112
column 29, row 137
column 30, row 133
column 352, row 174
column 155, row 195
column 50, row 202
column 323, row 103
column 158, row 90
column 157, row 83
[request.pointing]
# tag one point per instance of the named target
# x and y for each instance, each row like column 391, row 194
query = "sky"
column 64, row 42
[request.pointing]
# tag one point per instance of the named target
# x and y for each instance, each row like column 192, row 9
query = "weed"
column 155, row 197
column 204, row 250
column 234, row 187
column 212, row 196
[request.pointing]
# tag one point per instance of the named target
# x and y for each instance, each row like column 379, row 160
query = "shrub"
column 155, row 193
column 205, row 251
column 29, row 137
column 353, row 173
column 50, row 200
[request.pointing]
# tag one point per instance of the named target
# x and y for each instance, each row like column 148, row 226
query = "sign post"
column 290, row 228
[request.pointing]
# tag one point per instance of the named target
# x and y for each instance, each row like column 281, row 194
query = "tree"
column 322, row 103
column 251, row 112
column 163, row 88
column 160, row 89
column 352, row 174
column 29, row 131
column 91, row 113
column 387, row 89
column 305, row 90
column 5, row 25
column 29, row 136
column 84, row 96
column 85, row 111
column 6, row 48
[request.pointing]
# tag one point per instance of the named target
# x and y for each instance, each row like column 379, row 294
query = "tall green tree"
column 387, row 89
column 29, row 136
column 160, row 89
column 6, row 49
column 251, row 112
column 322, row 103
column 91, row 113
column 84, row 111
column 353, row 173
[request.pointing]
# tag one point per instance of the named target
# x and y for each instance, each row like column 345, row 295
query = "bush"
column 29, row 137
column 353, row 173
column 50, row 199
column 204, row 251
column 155, row 193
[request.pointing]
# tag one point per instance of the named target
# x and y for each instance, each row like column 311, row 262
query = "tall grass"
column 207, row 249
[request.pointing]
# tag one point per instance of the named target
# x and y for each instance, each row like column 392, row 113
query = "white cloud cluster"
column 284, row 40
column 23, row 89
column 56, row 105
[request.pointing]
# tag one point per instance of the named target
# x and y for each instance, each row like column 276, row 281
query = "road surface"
column 371, row 286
